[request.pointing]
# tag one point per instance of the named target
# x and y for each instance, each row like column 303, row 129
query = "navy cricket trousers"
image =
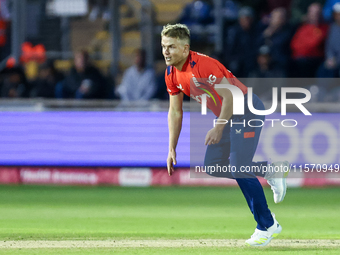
column 237, row 148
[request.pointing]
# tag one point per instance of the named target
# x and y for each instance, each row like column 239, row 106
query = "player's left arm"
column 215, row 134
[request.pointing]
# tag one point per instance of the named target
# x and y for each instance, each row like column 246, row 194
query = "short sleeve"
column 171, row 87
column 213, row 72
column 210, row 70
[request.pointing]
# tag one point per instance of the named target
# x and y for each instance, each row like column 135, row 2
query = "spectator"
column 138, row 81
column 299, row 9
column 230, row 10
column 328, row 9
column 240, row 45
column 308, row 44
column 332, row 62
column 259, row 6
column 99, row 7
column 14, row 83
column 277, row 37
column 45, row 84
column 197, row 15
column 274, row 4
column 83, row 81
column 331, row 67
column 199, row 12
column 5, row 17
column 265, row 69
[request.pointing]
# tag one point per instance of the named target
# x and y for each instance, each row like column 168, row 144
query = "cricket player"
column 226, row 145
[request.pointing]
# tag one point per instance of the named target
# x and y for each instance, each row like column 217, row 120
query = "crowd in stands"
column 296, row 32
column 262, row 39
column 82, row 81
column 277, row 39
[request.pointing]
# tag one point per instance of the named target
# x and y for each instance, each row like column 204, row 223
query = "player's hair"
column 178, row 31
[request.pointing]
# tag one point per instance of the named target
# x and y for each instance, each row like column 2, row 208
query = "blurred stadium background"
column 52, row 125
column 63, row 123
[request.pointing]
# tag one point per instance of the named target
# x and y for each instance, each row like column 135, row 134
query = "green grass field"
column 31, row 213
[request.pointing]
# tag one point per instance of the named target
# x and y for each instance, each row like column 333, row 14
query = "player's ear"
column 186, row 48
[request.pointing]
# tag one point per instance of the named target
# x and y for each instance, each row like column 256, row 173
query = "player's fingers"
column 174, row 160
column 207, row 138
column 169, row 163
column 169, row 170
column 211, row 141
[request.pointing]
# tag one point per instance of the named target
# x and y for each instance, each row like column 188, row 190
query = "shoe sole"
column 284, row 183
column 262, row 244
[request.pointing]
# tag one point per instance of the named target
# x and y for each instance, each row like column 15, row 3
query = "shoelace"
column 259, row 233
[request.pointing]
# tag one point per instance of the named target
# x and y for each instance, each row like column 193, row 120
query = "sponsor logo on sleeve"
column 212, row 79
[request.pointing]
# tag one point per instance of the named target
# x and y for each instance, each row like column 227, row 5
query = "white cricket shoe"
column 262, row 238
column 277, row 179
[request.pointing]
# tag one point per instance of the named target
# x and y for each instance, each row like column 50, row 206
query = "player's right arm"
column 175, row 117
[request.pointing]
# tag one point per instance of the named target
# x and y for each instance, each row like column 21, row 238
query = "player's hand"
column 213, row 136
column 171, row 162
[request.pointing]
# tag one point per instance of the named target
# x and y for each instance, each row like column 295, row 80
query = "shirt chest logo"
column 192, row 64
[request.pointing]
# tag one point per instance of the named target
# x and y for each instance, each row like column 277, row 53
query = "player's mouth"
column 167, row 59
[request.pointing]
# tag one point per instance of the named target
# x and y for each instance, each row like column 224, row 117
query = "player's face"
column 175, row 51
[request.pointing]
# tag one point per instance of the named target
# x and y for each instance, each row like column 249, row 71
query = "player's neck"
column 180, row 65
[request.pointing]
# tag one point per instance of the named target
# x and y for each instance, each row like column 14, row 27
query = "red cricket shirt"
column 199, row 75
